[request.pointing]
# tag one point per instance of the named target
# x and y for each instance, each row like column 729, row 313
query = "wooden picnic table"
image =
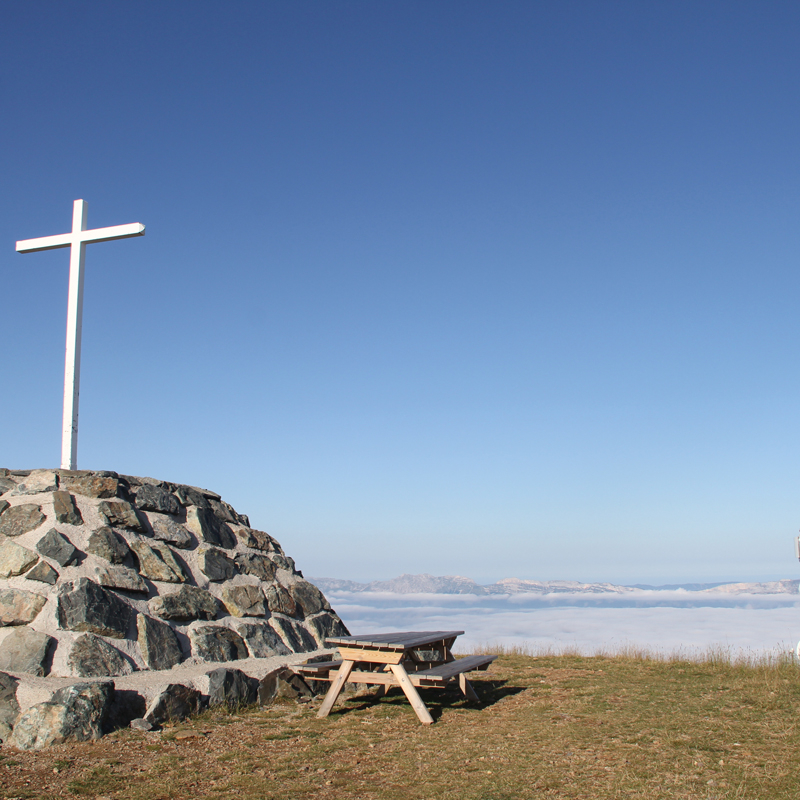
column 408, row 659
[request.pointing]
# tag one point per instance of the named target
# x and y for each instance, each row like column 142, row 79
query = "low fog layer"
column 666, row 621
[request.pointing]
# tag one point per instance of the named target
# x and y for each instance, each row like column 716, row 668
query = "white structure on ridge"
column 76, row 240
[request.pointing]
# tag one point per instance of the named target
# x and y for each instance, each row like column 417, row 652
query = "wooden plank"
column 316, row 668
column 411, row 693
column 378, row 678
column 448, row 645
column 371, row 656
column 394, row 641
column 336, row 687
column 466, row 687
column 444, row 672
column 421, row 678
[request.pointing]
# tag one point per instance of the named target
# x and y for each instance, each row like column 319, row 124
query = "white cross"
column 76, row 240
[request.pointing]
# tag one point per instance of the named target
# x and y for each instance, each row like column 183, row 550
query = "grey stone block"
column 309, row 599
column 89, row 484
column 255, row 564
column 15, row 559
column 189, row 496
column 18, row 607
column 120, row 513
column 74, row 714
column 189, row 602
column 119, row 577
column 44, row 573
column 324, row 625
column 294, row 635
column 244, row 601
column 36, row 482
column 173, row 703
column 258, row 540
column 157, row 562
column 58, row 548
column 167, row 530
column 216, row 643
column 205, row 524
column 215, row 565
column 93, row 657
column 280, row 601
column 156, row 498
column 9, row 707
column 261, row 640
column 65, row 509
column 158, row 642
column 16, row 520
column 107, row 544
column 86, row 606
column 26, row 650
column 231, row 687
column 292, row 686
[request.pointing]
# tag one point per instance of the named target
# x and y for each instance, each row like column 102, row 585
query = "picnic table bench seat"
column 445, row 672
column 319, row 670
column 432, row 676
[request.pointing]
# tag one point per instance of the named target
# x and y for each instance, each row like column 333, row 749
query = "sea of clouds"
column 691, row 623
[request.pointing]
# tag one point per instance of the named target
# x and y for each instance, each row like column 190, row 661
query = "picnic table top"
column 403, row 640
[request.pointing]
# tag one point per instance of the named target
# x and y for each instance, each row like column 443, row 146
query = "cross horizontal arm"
column 114, row 232
column 86, row 237
column 44, row 243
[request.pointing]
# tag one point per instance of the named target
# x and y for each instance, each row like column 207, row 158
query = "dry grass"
column 777, row 657
column 548, row 726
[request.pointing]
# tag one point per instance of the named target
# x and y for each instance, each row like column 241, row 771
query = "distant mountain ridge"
column 458, row 584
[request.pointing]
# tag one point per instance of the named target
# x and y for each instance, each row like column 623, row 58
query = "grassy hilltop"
column 547, row 727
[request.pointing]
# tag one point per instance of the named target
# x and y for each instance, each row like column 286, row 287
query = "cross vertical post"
column 72, row 357
column 76, row 240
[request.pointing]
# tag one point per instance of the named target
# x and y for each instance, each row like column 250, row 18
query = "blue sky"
column 481, row 288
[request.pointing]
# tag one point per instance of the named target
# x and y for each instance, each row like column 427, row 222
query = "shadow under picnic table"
column 437, row 700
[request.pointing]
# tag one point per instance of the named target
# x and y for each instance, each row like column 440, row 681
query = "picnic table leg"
column 411, row 693
column 466, row 687
column 342, row 674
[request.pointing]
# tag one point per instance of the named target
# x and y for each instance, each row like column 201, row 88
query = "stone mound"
column 107, row 576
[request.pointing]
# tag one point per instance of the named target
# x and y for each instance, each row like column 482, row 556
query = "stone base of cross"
column 76, row 240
